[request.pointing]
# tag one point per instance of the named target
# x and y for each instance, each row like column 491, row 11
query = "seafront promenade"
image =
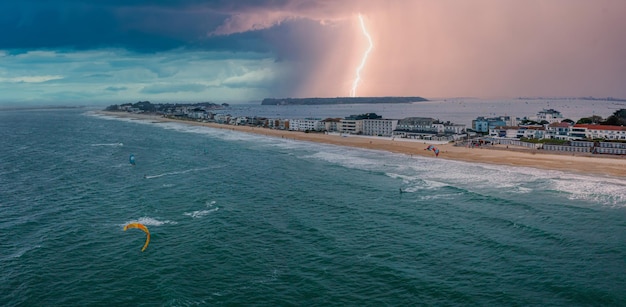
column 498, row 155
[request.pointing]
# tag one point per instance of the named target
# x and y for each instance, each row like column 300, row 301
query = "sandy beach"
column 604, row 165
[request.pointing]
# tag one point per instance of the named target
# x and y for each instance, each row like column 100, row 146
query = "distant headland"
column 339, row 100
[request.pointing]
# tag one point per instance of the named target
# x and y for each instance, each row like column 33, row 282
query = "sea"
column 247, row 220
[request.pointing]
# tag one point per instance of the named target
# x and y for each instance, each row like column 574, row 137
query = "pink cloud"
column 443, row 48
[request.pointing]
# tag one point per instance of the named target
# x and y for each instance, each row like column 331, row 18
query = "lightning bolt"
column 356, row 81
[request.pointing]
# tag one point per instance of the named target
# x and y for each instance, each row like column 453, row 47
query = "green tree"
column 617, row 119
column 590, row 120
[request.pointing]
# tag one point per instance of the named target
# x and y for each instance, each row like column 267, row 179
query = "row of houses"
column 503, row 128
column 561, row 131
column 427, row 128
column 548, row 124
column 546, row 116
column 369, row 124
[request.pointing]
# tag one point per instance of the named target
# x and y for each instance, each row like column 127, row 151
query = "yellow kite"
column 142, row 227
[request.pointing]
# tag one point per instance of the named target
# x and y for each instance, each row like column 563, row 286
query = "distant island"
column 570, row 98
column 339, row 100
column 165, row 108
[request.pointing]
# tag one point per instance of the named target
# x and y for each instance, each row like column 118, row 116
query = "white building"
column 350, row 126
column 416, row 124
column 549, row 115
column 222, row 118
column 592, row 132
column 449, row 128
column 306, row 125
column 275, row 123
column 198, row 114
column 530, row 132
column 331, row 124
column 558, row 131
column 241, row 121
column 379, row 127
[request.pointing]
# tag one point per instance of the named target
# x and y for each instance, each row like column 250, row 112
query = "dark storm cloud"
column 144, row 26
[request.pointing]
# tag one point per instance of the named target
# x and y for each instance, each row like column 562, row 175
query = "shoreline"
column 497, row 155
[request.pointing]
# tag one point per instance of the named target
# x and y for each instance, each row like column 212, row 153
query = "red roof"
column 600, row 127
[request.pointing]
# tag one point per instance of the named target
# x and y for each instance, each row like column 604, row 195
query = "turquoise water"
column 240, row 219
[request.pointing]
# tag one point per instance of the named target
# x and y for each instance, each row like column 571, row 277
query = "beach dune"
column 604, row 165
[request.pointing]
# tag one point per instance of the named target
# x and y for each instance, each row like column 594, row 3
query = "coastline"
column 498, row 155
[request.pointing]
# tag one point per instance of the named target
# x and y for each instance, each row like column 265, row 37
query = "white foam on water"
column 109, row 144
column 345, row 160
column 431, row 184
column 439, row 196
column 286, row 146
column 606, row 191
column 19, row 253
column 478, row 177
column 201, row 213
column 521, row 190
column 412, row 184
column 524, row 180
column 123, row 119
column 180, row 172
column 223, row 134
column 405, row 178
column 149, row 221
column 609, row 191
column 430, row 173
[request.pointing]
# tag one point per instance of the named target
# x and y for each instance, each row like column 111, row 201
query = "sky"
column 117, row 51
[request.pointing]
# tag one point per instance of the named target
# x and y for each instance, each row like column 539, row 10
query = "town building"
column 379, row 127
column 558, row 131
column 331, row 124
column 483, row 124
column 412, row 125
column 222, row 118
column 307, row 124
column 507, row 132
column 518, row 132
column 550, row 116
column 350, row 126
column 426, row 128
column 593, row 132
column 449, row 128
column 353, row 124
column 274, row 123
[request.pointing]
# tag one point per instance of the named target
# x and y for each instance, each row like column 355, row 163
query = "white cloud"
column 30, row 79
column 253, row 21
column 326, row 12
column 251, row 79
